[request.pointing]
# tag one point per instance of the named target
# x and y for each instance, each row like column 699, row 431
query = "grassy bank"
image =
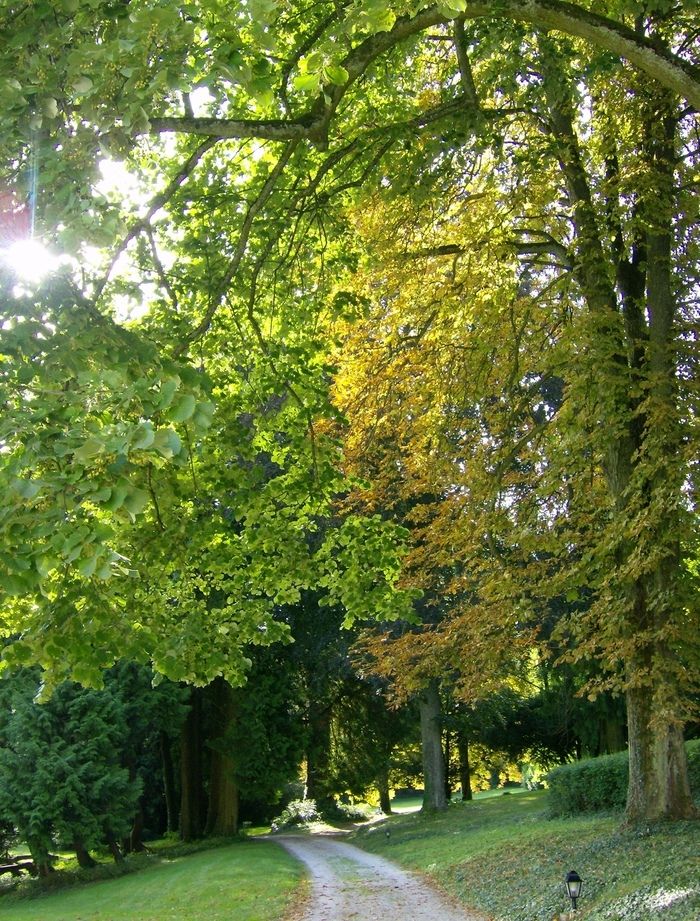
column 247, row 880
column 504, row 857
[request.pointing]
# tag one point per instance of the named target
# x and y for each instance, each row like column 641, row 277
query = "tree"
column 507, row 433
column 365, row 736
column 154, row 716
column 61, row 776
column 267, row 738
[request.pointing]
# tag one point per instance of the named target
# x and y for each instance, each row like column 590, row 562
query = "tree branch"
column 649, row 55
column 266, row 129
column 465, row 67
column 239, row 251
column 156, row 204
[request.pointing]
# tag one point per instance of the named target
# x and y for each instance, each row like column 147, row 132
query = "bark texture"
column 222, row 812
column 191, row 783
column 434, row 797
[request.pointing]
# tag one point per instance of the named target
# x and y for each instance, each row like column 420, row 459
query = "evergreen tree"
column 61, row 779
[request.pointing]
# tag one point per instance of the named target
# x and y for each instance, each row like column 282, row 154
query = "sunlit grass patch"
column 248, row 881
column 504, row 857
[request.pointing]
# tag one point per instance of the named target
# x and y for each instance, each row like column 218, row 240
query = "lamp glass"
column 573, row 884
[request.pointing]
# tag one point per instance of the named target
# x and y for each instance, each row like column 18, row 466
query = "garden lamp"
column 573, row 886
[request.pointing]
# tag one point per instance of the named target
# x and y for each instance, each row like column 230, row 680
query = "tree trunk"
column 431, row 743
column 222, row 812
column 384, row 792
column 658, row 766
column 114, row 849
column 136, row 844
column 448, row 757
column 191, row 786
column 166, row 758
column 465, row 780
column 40, row 856
column 318, row 756
column 84, row 859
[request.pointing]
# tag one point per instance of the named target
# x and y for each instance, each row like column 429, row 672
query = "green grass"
column 248, row 881
column 414, row 801
column 504, row 857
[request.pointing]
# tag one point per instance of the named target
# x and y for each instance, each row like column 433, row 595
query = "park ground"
column 500, row 856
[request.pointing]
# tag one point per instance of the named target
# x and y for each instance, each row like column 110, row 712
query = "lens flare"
column 28, row 260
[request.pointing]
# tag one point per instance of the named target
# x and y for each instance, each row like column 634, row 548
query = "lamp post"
column 573, row 887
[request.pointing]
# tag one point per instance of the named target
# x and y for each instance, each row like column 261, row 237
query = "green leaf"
column 452, row 8
column 168, row 389
column 82, row 85
column 116, row 500
column 183, row 409
column 49, row 107
column 307, row 83
column 312, row 63
column 46, row 565
column 143, row 437
column 167, row 443
column 87, row 566
column 336, row 73
column 15, row 584
column 88, row 450
column 136, row 501
column 27, row 489
column 381, row 19
column 203, row 415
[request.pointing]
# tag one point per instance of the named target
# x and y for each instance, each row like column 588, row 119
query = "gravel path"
column 348, row 884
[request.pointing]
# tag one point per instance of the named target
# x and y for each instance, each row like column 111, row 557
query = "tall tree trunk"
column 166, row 759
column 465, row 779
column 318, row 755
column 639, row 463
column 40, row 856
column 191, row 786
column 658, row 766
column 222, row 812
column 659, row 786
column 431, row 743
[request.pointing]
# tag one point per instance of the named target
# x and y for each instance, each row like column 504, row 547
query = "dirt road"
column 348, row 884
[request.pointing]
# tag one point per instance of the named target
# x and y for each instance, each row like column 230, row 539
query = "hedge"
column 600, row 784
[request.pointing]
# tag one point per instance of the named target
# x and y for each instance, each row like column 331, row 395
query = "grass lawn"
column 246, row 881
column 503, row 856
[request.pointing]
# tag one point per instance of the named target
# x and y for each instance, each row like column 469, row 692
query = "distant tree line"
column 113, row 768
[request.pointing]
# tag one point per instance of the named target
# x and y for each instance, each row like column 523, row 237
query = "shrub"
column 298, row 812
column 599, row 784
column 348, row 812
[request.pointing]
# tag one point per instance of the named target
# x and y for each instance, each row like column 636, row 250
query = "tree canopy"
column 478, row 221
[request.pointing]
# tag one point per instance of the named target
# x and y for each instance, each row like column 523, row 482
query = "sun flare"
column 28, row 260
